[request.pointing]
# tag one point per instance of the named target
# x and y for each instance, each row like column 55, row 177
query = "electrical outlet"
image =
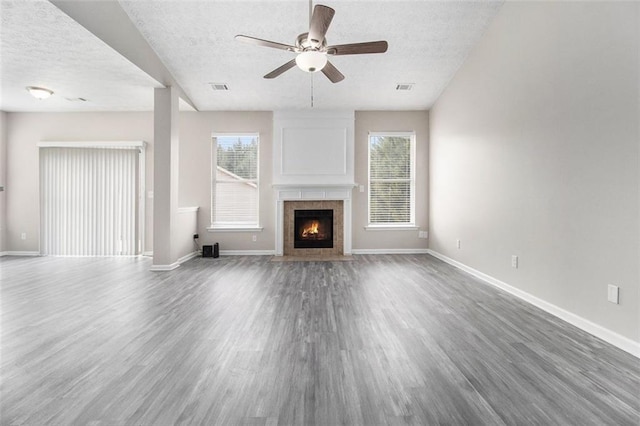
column 254, row 238
column 423, row 234
column 514, row 261
column 23, row 236
column 613, row 294
column 458, row 243
column 361, row 188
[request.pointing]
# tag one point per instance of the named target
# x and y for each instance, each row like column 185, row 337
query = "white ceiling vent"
column 404, row 86
column 218, row 86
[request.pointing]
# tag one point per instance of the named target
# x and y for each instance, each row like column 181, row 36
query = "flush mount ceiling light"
column 311, row 61
column 39, row 92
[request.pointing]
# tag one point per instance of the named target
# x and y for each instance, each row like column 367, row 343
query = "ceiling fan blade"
column 281, row 69
column 332, row 73
column 320, row 20
column 264, row 43
column 358, row 48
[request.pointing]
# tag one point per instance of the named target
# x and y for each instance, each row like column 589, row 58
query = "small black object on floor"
column 211, row 251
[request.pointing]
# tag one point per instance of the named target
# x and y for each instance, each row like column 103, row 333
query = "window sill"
column 391, row 228
column 218, row 228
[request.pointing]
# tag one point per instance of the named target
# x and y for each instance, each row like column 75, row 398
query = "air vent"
column 218, row 86
column 404, row 86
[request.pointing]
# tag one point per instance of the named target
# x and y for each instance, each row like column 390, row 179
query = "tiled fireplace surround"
column 288, row 228
column 336, row 198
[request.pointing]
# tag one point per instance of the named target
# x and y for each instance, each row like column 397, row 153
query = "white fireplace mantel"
column 286, row 192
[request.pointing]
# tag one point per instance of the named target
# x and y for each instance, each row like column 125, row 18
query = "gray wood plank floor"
column 397, row 339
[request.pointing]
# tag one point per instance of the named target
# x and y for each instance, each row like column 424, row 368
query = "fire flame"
column 312, row 229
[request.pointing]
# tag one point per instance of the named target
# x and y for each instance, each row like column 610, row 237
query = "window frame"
column 383, row 226
column 233, row 226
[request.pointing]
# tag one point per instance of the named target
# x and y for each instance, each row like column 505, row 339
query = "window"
column 391, row 179
column 235, row 184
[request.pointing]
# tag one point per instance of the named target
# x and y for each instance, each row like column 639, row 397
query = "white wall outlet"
column 514, row 261
column 458, row 243
column 254, row 238
column 23, row 236
column 149, row 194
column 361, row 188
column 423, row 234
column 613, row 294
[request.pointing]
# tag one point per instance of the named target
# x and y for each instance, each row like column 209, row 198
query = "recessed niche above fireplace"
column 313, row 229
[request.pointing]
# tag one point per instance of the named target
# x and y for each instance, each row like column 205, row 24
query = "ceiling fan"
column 312, row 49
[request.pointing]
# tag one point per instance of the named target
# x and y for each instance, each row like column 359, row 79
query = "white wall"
column 393, row 121
column 25, row 130
column 186, row 226
column 3, row 180
column 195, row 173
column 535, row 153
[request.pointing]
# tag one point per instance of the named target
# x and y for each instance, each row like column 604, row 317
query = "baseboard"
column 164, row 268
column 599, row 331
column 147, row 253
column 20, row 253
column 174, row 265
column 189, row 256
column 389, row 251
column 247, row 252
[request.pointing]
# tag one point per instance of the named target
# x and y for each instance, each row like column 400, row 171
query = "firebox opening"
column 313, row 229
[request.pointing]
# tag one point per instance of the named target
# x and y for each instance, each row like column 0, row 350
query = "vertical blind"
column 236, row 188
column 88, row 201
column 391, row 182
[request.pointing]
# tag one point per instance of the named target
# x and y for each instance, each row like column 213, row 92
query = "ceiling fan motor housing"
column 303, row 43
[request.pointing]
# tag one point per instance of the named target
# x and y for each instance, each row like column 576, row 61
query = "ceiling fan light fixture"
column 311, row 61
column 39, row 92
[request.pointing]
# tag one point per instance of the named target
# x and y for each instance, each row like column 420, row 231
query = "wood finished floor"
column 242, row 340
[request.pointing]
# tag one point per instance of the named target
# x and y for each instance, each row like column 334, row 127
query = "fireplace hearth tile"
column 312, row 259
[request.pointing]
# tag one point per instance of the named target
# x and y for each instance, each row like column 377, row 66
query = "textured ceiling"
column 428, row 41
column 41, row 46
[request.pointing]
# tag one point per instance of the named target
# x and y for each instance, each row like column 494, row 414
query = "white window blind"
column 391, row 179
column 235, row 181
column 88, row 201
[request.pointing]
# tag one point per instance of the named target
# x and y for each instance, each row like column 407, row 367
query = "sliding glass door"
column 89, row 201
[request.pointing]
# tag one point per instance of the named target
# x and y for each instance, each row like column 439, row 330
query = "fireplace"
column 313, row 229
column 291, row 217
